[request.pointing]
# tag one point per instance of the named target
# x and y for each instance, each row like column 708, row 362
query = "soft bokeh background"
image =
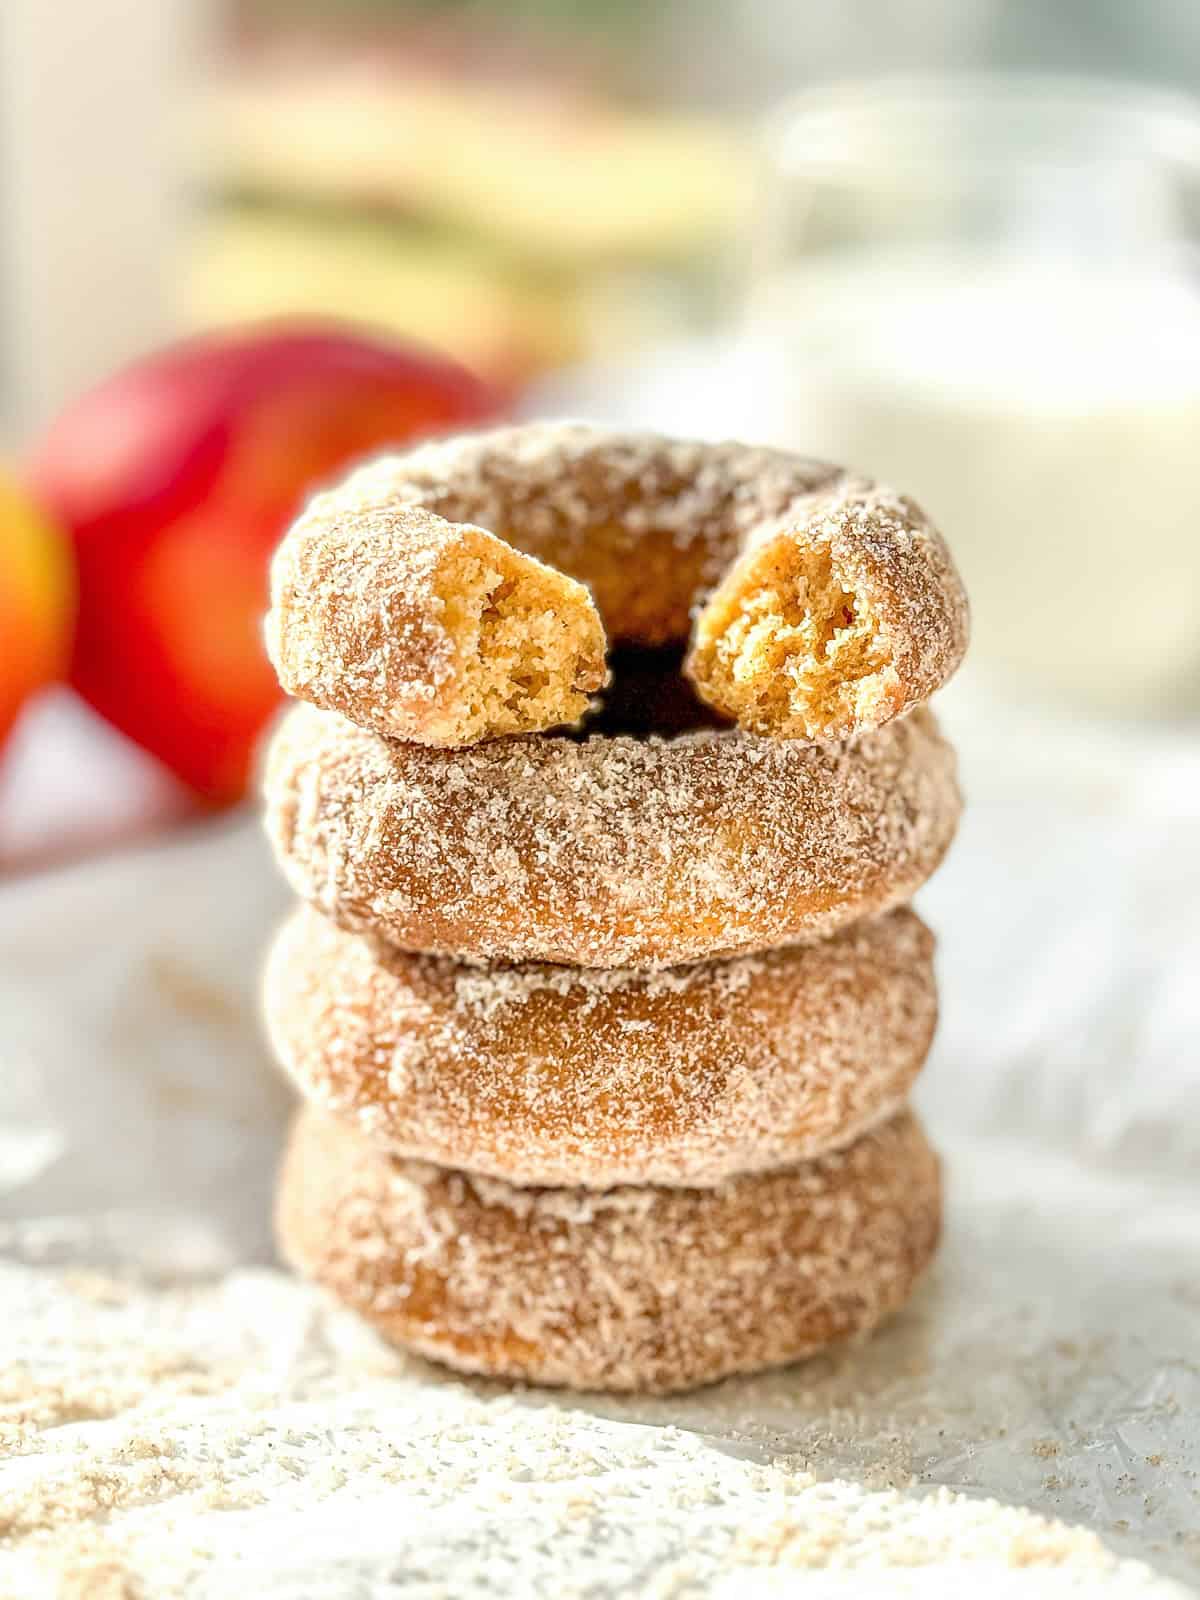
column 951, row 242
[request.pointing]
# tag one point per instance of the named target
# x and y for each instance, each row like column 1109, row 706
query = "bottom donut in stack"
column 609, row 1179
column 633, row 1288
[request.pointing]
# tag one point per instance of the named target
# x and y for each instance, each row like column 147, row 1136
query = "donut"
column 651, row 1289
column 426, row 629
column 548, row 1075
column 825, row 604
column 837, row 618
column 606, row 852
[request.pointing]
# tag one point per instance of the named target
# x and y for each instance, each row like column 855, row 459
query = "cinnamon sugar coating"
column 610, row 852
column 428, row 630
column 647, row 523
column 651, row 1289
column 843, row 610
column 549, row 1075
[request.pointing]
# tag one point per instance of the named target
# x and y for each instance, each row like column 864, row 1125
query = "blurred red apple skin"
column 176, row 478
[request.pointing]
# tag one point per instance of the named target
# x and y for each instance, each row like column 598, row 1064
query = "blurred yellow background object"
column 245, row 263
column 520, row 222
column 37, row 598
column 563, row 179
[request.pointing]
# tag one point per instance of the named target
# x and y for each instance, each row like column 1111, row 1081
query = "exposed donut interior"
column 790, row 647
column 533, row 640
column 786, row 646
column 818, row 604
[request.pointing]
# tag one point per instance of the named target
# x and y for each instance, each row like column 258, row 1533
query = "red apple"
column 36, row 600
column 176, row 477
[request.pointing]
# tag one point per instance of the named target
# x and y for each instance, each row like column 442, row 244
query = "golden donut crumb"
column 841, row 618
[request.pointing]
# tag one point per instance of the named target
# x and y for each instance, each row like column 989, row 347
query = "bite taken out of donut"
column 465, row 590
column 839, row 617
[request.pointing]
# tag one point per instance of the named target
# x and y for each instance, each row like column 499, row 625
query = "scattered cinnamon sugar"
column 310, row 1445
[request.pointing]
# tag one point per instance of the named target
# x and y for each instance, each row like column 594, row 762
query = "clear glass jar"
column 986, row 292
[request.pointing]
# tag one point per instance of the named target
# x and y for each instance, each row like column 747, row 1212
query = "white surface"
column 243, row 1439
column 133, row 1076
column 69, row 783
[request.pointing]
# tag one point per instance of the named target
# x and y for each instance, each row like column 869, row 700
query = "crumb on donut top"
column 428, row 630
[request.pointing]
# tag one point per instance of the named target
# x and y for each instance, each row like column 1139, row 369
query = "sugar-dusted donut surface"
column 429, row 630
column 653, row 1289
column 609, row 852
column 597, row 1077
column 825, row 604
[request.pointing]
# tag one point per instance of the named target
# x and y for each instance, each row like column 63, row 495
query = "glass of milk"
column 987, row 292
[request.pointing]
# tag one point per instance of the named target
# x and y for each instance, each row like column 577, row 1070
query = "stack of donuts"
column 608, row 790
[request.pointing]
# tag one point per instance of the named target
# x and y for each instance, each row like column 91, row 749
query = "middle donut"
column 613, row 852
column 549, row 1076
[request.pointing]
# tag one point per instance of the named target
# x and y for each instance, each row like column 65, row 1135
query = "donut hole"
column 790, row 648
column 530, row 646
column 647, row 695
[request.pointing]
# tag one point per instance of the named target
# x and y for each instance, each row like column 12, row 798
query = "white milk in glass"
column 1047, row 414
column 987, row 292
